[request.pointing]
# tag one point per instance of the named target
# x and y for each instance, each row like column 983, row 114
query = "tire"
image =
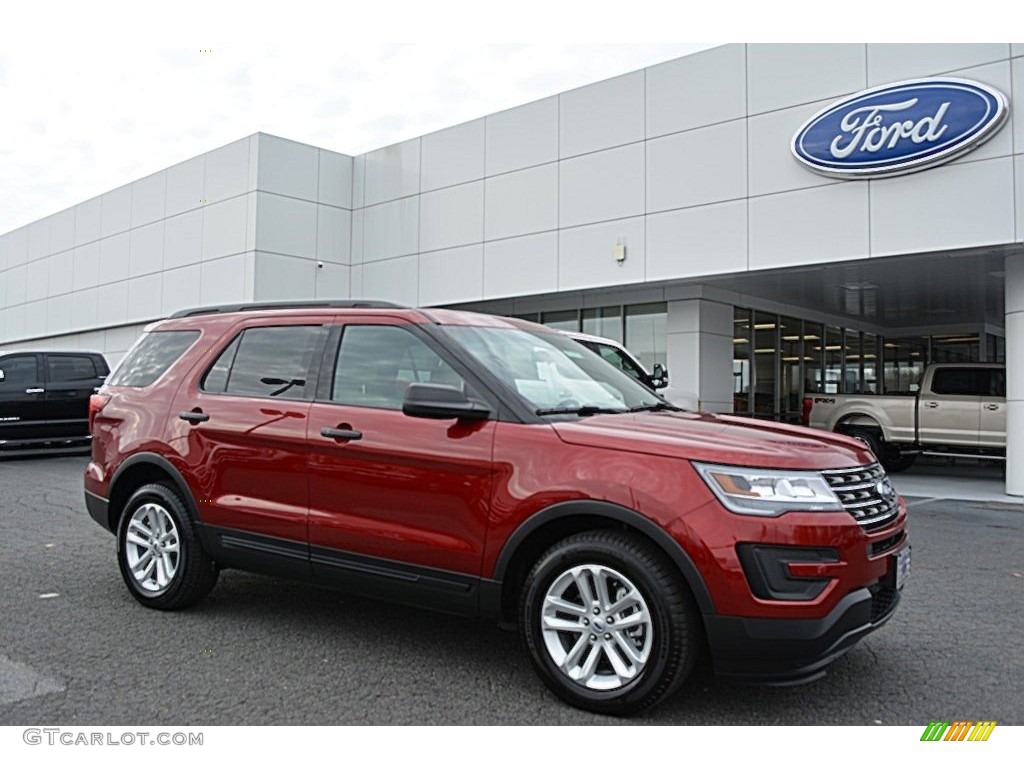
column 896, row 461
column 159, row 553
column 870, row 438
column 583, row 657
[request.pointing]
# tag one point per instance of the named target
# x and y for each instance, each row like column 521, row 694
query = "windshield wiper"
column 581, row 410
column 656, row 407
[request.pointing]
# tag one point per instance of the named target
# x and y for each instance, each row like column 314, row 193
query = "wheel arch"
column 139, row 470
column 544, row 528
column 860, row 420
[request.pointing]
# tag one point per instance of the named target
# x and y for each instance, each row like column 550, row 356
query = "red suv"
column 491, row 467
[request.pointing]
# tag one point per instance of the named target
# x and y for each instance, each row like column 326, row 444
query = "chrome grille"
column 865, row 492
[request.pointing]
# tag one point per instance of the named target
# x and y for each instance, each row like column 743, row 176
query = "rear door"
column 22, row 404
column 993, row 411
column 70, row 381
column 950, row 413
column 244, row 424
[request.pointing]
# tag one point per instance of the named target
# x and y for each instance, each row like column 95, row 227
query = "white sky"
column 95, row 95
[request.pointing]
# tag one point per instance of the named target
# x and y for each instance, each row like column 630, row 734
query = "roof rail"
column 260, row 306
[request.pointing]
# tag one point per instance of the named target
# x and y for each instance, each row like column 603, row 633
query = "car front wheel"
column 161, row 558
column 609, row 624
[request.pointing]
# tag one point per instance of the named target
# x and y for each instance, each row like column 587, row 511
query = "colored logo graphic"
column 900, row 128
column 959, row 730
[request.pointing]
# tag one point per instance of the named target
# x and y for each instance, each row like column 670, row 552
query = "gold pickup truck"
column 959, row 409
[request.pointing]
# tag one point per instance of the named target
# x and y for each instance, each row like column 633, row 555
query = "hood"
column 716, row 439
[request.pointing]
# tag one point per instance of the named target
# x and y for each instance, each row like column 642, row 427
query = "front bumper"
column 792, row 651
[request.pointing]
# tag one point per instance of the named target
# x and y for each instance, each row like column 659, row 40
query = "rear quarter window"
column 150, row 358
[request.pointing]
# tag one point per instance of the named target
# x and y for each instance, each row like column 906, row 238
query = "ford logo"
column 900, row 128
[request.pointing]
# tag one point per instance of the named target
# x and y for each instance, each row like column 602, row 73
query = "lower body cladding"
column 44, row 445
column 794, row 651
column 815, row 584
column 774, row 612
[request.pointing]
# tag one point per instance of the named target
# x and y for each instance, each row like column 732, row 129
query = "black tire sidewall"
column 870, row 439
column 636, row 694
column 190, row 550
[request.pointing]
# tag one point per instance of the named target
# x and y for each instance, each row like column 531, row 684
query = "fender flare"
column 166, row 466
column 617, row 513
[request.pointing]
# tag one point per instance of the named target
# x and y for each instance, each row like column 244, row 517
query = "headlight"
column 769, row 492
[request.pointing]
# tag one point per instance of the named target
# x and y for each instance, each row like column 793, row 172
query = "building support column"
column 699, row 348
column 1015, row 375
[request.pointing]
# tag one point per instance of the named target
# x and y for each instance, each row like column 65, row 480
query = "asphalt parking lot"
column 75, row 648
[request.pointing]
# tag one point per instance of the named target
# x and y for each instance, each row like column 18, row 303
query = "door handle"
column 991, row 407
column 342, row 434
column 34, row 391
column 194, row 417
column 931, row 405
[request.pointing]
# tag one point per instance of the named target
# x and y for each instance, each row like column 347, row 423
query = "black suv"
column 44, row 400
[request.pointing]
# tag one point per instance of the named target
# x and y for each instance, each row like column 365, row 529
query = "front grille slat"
column 865, row 493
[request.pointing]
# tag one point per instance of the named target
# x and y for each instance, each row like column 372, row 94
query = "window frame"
column 476, row 387
column 39, row 369
column 312, row 375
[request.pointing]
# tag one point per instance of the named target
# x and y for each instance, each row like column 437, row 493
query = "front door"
column 22, row 398
column 395, row 499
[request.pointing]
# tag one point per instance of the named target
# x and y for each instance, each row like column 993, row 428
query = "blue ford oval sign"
column 900, row 128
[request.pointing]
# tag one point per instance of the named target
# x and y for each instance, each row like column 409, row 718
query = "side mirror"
column 659, row 378
column 441, row 401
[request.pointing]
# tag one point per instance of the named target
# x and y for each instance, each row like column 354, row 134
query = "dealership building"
column 766, row 220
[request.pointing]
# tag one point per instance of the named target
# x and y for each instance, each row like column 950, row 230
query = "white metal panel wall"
column 694, row 153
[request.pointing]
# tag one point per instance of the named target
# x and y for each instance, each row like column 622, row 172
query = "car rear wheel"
column 159, row 553
column 608, row 622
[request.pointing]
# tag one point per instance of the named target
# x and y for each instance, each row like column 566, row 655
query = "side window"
column 216, row 379
column 267, row 362
column 69, row 368
column 150, row 358
column 960, row 381
column 19, row 371
column 377, row 362
column 619, row 360
column 996, row 383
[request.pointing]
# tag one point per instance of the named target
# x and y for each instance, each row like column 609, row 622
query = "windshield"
column 554, row 373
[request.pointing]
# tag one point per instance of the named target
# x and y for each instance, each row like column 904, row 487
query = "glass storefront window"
column 956, row 348
column 834, row 356
column 790, row 365
column 563, row 320
column 741, row 361
column 869, row 364
column 903, row 363
column 603, row 321
column 813, row 357
column 766, row 379
column 647, row 333
column 533, row 317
